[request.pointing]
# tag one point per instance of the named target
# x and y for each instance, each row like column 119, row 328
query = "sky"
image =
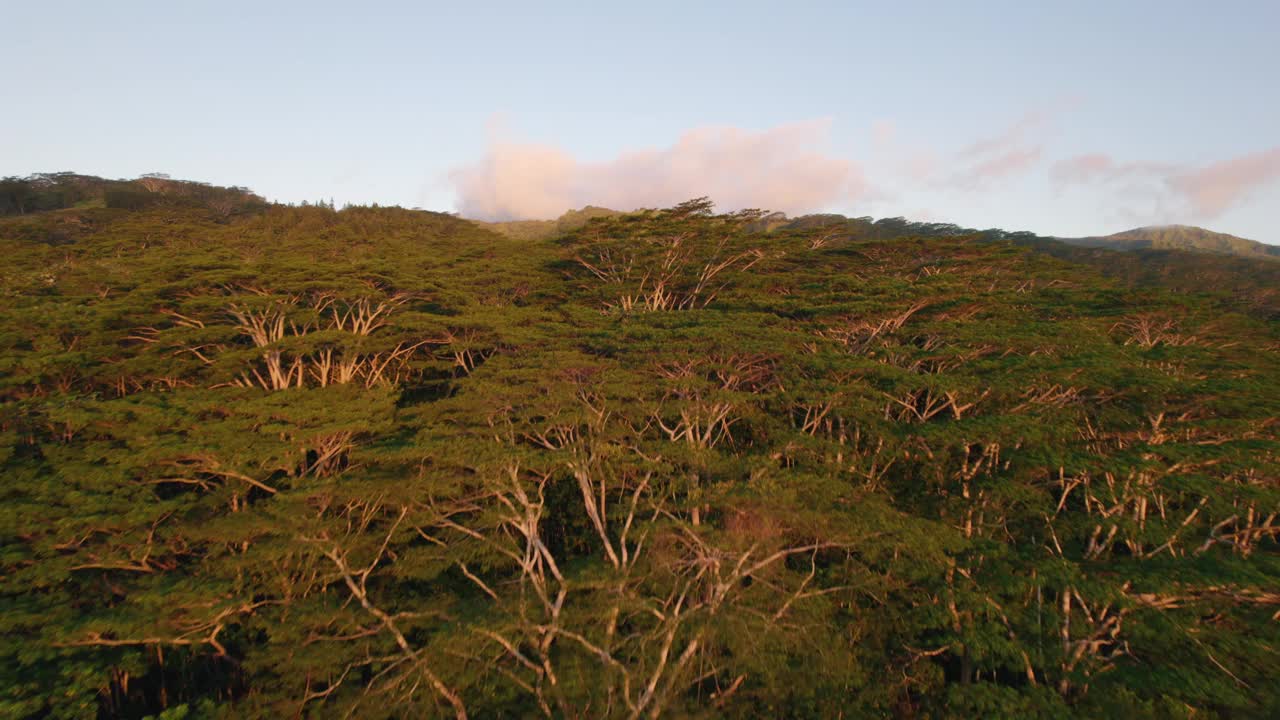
column 1063, row 118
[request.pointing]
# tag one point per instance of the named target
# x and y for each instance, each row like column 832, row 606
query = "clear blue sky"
column 1065, row 118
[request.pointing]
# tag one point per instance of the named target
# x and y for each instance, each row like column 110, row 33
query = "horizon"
column 978, row 119
column 570, row 210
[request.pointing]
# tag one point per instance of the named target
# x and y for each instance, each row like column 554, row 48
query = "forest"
column 262, row 460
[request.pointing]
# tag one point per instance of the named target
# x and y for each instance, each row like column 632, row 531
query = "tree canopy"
column 268, row 461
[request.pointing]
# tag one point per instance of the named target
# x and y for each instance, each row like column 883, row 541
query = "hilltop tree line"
column 58, row 191
column 295, row 461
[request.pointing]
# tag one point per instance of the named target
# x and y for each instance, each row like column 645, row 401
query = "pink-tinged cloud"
column 1013, row 161
column 1005, row 152
column 785, row 168
column 1214, row 188
column 1013, row 151
column 1206, row 191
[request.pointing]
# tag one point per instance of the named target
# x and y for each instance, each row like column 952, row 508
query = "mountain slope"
column 1238, row 282
column 1179, row 237
column 301, row 462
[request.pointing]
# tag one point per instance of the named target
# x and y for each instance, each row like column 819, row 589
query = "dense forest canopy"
column 272, row 461
column 57, row 191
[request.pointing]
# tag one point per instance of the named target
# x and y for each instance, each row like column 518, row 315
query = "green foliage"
column 59, row 191
column 284, row 461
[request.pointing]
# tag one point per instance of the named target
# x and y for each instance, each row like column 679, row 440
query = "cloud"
column 1215, row 188
column 792, row 168
column 784, row 168
column 1010, row 151
column 1015, row 150
column 1205, row 191
column 1014, row 161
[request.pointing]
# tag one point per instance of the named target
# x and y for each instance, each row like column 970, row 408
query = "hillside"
column 59, row 191
column 380, row 463
column 544, row 229
column 1180, row 237
column 1235, row 280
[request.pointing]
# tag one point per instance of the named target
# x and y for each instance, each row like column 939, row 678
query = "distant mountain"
column 1179, row 237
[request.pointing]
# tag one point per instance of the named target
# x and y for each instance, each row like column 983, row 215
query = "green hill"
column 59, row 191
column 304, row 462
column 1180, row 237
column 1244, row 285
